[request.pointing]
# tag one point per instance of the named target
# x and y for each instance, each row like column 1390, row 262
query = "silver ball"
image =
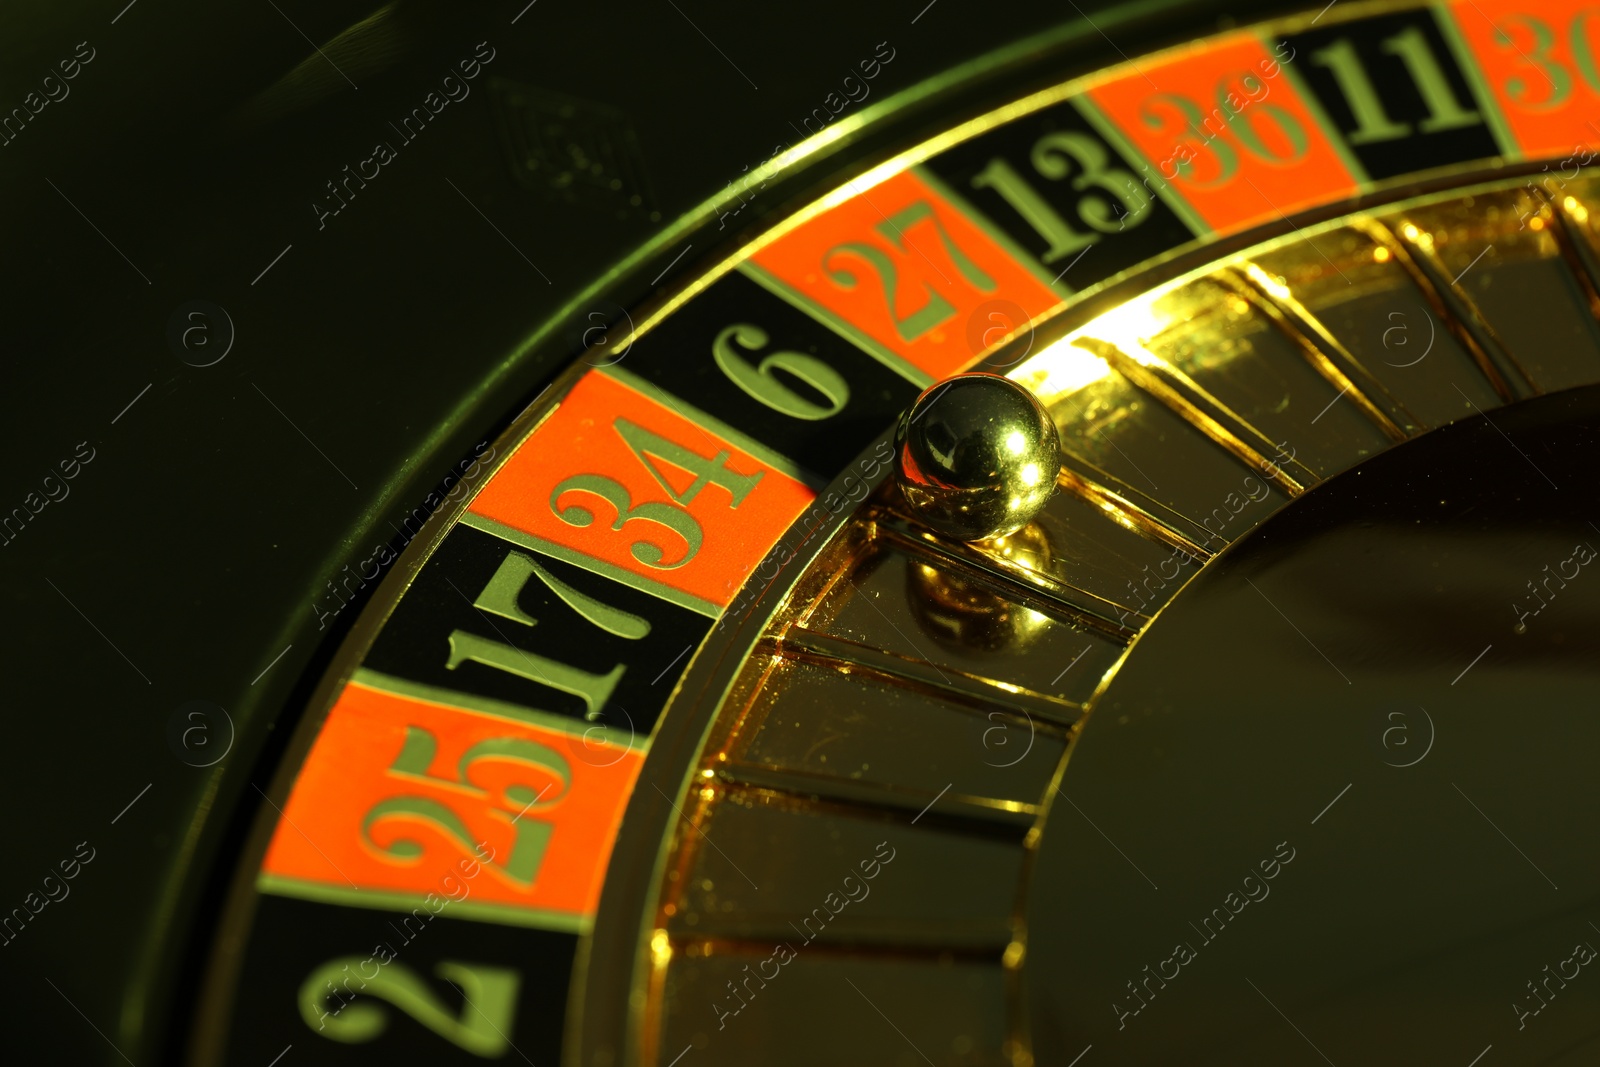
column 976, row 457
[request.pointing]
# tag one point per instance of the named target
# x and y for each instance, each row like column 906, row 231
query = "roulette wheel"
column 510, row 555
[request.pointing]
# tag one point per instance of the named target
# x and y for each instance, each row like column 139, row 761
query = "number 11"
column 1373, row 124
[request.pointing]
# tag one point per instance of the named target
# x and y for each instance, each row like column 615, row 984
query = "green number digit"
column 893, row 229
column 499, row 597
column 713, row 471
column 1243, row 125
column 416, row 760
column 1444, row 111
column 1014, row 189
column 482, row 1026
column 1069, row 155
column 1194, row 125
column 521, row 750
column 651, row 555
column 1533, row 97
column 417, row 755
column 521, row 866
column 1373, row 124
column 593, row 689
column 933, row 311
column 1051, row 155
column 1583, row 48
column 761, row 381
column 936, row 309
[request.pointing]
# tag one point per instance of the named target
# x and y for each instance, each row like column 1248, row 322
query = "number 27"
column 936, row 308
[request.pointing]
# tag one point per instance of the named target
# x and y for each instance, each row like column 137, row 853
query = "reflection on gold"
column 1271, row 284
column 1058, row 371
column 1130, row 325
column 962, row 614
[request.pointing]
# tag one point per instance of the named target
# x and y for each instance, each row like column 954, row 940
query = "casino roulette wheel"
column 513, row 560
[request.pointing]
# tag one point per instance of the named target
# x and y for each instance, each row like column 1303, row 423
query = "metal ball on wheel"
column 976, row 457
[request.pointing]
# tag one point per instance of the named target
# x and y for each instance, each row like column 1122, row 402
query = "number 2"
column 483, row 1026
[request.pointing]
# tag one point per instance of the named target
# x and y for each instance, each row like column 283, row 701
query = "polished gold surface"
column 976, row 457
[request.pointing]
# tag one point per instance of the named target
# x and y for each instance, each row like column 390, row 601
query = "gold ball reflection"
column 965, row 615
